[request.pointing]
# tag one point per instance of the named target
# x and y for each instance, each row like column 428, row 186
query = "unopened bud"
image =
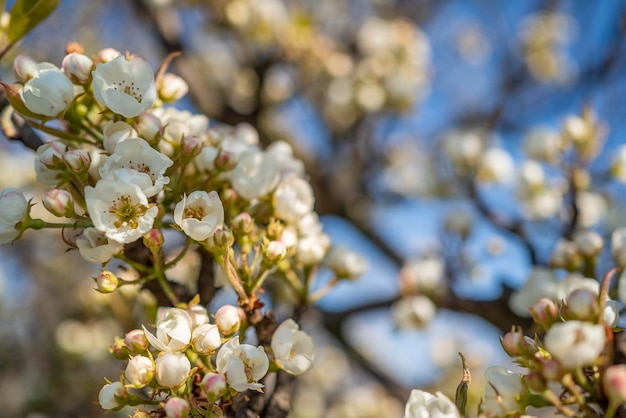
column 228, row 320
column 275, row 251
column 192, row 145
column 566, row 256
column 512, row 342
column 136, row 341
column 545, row 312
column 225, row 161
column 213, row 386
column 614, row 381
column 242, row 223
column 221, row 239
column 582, row 304
column 228, row 197
column 73, row 46
column 149, row 127
column 153, row 240
column 77, row 67
column 78, row 161
column 108, row 54
column 107, row 281
column 24, row 68
column 139, row 371
column 176, row 408
column 536, row 382
column 59, row 202
column 589, row 243
column 119, row 350
column 275, row 229
column 552, row 370
column 51, row 154
column 171, row 87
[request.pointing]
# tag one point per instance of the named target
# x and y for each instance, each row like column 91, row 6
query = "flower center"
column 195, row 212
column 129, row 89
column 126, row 212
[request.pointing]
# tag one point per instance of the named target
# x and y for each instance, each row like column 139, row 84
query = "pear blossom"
column 422, row 275
column 172, row 369
column 541, row 283
column 286, row 162
column 575, row 343
column 77, row 67
column 107, row 282
column 255, row 176
column 199, row 214
column 542, row 143
column 58, row 202
column 176, row 408
column 95, row 247
column 173, row 330
column 120, row 210
column 502, row 392
column 108, row 394
column 346, row 263
column 311, row 249
column 293, row 198
column 242, row 364
column 496, row 165
column 49, row 92
column 116, row 132
column 171, row 87
column 425, row 405
column 213, row 385
column 24, row 68
column 206, row 338
column 293, row 349
column 126, row 86
column 413, row 312
column 139, row 371
column 13, row 210
column 228, row 320
column 135, row 161
column 614, row 381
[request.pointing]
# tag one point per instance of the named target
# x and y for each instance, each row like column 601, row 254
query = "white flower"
column 293, row 349
column 496, row 165
column 346, row 263
column 13, row 210
column 287, row 164
column 107, row 395
column 228, row 320
column 293, row 198
column 541, row 283
column 139, row 371
column 422, row 275
column 135, row 161
column 242, row 364
column 255, row 175
column 575, row 343
column 543, row 144
column 573, row 282
column 172, row 369
column 425, row 405
column 125, row 86
column 464, row 148
column 116, row 132
column 311, row 249
column 173, row 330
column 413, row 312
column 502, row 392
column 206, row 338
column 49, row 92
column 120, row 210
column 199, row 214
column 95, row 247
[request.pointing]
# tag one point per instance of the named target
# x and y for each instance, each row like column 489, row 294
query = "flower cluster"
column 134, row 179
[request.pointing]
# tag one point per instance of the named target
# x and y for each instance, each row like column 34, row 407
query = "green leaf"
column 26, row 14
column 14, row 98
column 462, row 389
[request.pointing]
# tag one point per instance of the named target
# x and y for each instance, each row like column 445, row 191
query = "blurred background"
column 443, row 140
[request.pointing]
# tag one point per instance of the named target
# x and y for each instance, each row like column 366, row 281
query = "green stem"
column 323, row 291
column 231, row 274
column 159, row 273
column 41, row 224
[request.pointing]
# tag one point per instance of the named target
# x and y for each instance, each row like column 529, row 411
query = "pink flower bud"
column 176, row 408
column 24, row 68
column 119, row 350
column 545, row 312
column 242, row 223
column 51, row 153
column 275, row 251
column 77, row 160
column 225, row 161
column 192, row 145
column 228, row 320
column 107, row 281
column 614, row 382
column 108, row 54
column 139, row 371
column 77, row 67
column 59, row 202
column 136, row 341
column 512, row 341
column 171, row 87
column 154, row 240
column 213, row 386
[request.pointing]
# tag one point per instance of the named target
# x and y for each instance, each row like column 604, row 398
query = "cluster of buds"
column 126, row 171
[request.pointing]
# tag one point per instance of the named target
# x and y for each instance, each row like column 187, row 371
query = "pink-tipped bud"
column 51, row 153
column 59, row 202
column 153, row 240
column 136, row 341
column 107, row 281
column 213, row 386
column 176, row 408
column 552, row 370
column 119, row 350
column 78, row 161
column 221, row 239
column 228, row 320
column 225, row 161
column 171, row 87
column 24, row 68
column 242, row 223
column 192, row 145
column 614, row 381
column 77, row 67
column 545, row 312
column 149, row 127
column 512, row 342
column 275, row 251
column 229, row 197
column 107, row 54
column 582, row 304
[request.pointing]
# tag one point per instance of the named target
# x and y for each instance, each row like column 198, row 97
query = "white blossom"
column 135, row 161
column 120, row 210
column 286, row 163
column 199, row 214
column 95, row 247
column 116, row 132
column 228, row 320
column 502, row 392
column 255, row 175
column 107, row 395
column 575, row 343
column 293, row 349
column 242, row 364
column 206, row 338
column 173, row 330
column 293, row 198
column 496, row 165
column 125, row 86
column 413, row 312
column 425, row 405
column 139, row 371
column 422, row 275
column 13, row 210
column 49, row 92
column 312, row 249
column 346, row 263
column 541, row 283
column 172, row 369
